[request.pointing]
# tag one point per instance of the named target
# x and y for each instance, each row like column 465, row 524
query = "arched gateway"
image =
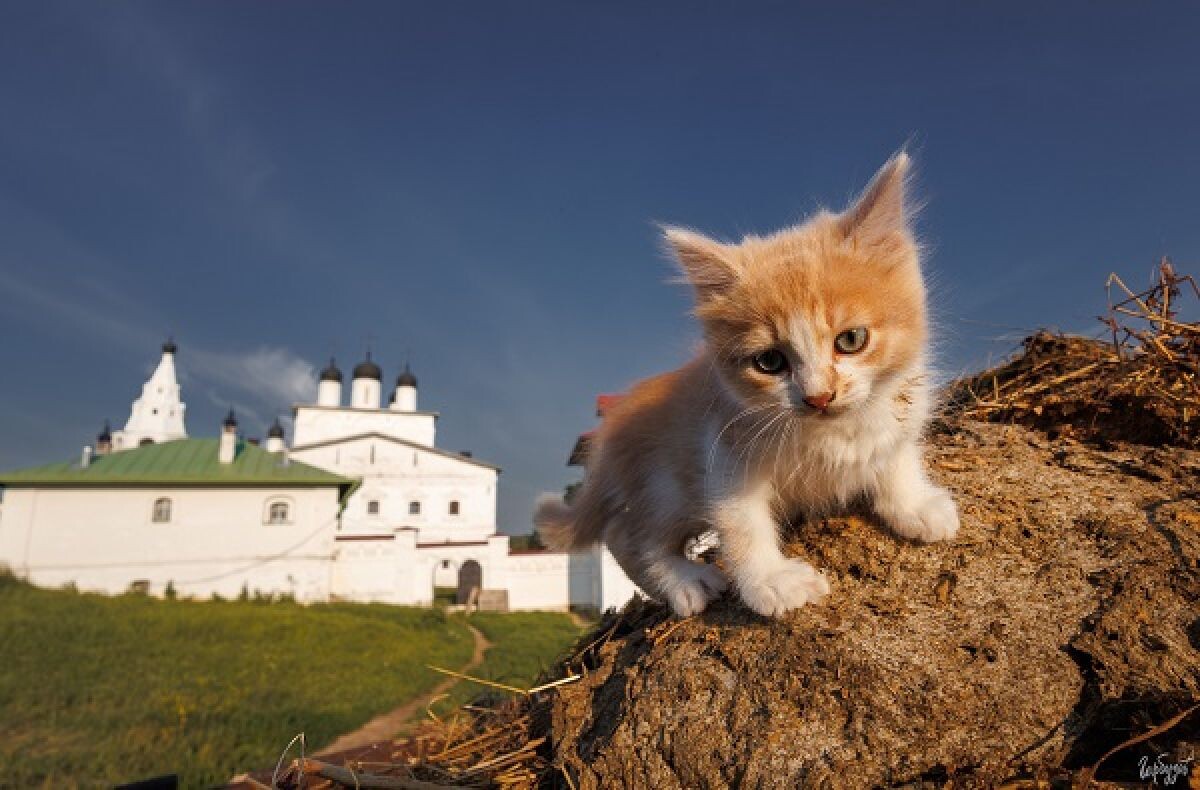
column 470, row 580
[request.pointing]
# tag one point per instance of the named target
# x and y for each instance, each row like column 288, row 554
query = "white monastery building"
column 362, row 506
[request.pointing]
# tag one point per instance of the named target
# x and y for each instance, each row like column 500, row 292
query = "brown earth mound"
column 1063, row 621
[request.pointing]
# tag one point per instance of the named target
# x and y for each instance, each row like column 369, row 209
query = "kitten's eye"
column 771, row 362
column 851, row 341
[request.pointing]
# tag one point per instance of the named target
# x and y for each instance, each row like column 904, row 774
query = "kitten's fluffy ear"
column 882, row 209
column 710, row 266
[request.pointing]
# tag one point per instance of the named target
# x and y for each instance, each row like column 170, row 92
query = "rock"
column 1063, row 621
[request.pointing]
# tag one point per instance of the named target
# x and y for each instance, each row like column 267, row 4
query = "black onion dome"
column 275, row 431
column 169, row 347
column 406, row 379
column 105, row 434
column 368, row 369
column 230, row 420
column 331, row 372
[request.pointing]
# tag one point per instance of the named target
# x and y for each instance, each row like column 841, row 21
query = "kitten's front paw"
column 934, row 518
column 790, row 586
column 694, row 587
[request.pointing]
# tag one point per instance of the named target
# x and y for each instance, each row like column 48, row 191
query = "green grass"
column 525, row 644
column 444, row 596
column 97, row 690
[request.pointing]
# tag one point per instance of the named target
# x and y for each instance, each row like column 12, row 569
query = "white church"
column 362, row 506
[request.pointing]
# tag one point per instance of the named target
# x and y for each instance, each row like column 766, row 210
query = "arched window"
column 373, row 507
column 454, row 507
column 414, row 508
column 162, row 511
column 278, row 510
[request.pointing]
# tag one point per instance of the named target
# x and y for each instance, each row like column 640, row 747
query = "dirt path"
column 386, row 725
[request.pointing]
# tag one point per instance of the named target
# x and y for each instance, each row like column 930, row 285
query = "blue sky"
column 474, row 186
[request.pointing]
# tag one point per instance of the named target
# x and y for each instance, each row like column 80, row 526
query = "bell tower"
column 157, row 416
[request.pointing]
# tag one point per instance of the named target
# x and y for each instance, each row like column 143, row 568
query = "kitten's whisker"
column 747, row 451
column 785, row 433
column 712, row 451
column 745, row 441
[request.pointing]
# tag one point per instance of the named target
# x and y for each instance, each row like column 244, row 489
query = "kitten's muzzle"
column 819, row 402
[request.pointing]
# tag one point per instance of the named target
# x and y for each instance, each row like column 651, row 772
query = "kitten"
column 811, row 392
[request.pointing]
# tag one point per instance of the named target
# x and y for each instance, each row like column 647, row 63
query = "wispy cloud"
column 271, row 378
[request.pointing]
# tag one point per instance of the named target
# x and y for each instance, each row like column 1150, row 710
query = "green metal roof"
column 181, row 462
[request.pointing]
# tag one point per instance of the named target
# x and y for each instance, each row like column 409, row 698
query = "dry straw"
column 1142, row 384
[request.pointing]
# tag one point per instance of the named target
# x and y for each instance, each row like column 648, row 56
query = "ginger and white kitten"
column 811, row 392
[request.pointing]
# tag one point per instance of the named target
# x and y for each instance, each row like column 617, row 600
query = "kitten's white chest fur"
column 823, row 465
column 835, row 461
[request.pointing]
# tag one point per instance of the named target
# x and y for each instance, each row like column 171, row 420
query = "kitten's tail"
column 564, row 527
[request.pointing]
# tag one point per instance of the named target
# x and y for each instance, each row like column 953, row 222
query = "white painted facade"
column 213, row 541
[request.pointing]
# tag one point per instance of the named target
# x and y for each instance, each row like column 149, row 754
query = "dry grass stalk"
column 1143, row 385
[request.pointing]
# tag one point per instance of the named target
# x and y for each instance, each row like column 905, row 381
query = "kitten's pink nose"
column 819, row 402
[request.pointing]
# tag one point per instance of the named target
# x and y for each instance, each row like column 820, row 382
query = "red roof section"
column 606, row 402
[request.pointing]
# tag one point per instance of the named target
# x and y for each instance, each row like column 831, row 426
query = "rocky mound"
column 1063, row 621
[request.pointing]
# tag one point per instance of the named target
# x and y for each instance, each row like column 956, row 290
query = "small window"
column 454, row 507
column 277, row 510
column 162, row 511
column 373, row 507
column 414, row 508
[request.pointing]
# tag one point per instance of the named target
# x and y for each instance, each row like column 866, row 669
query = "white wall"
column 584, row 582
column 392, row 567
column 366, row 569
column 103, row 539
column 598, row 581
column 396, row 474
column 318, row 424
column 537, row 580
column 615, row 587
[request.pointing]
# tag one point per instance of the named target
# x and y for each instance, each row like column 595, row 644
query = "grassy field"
column 96, row 690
